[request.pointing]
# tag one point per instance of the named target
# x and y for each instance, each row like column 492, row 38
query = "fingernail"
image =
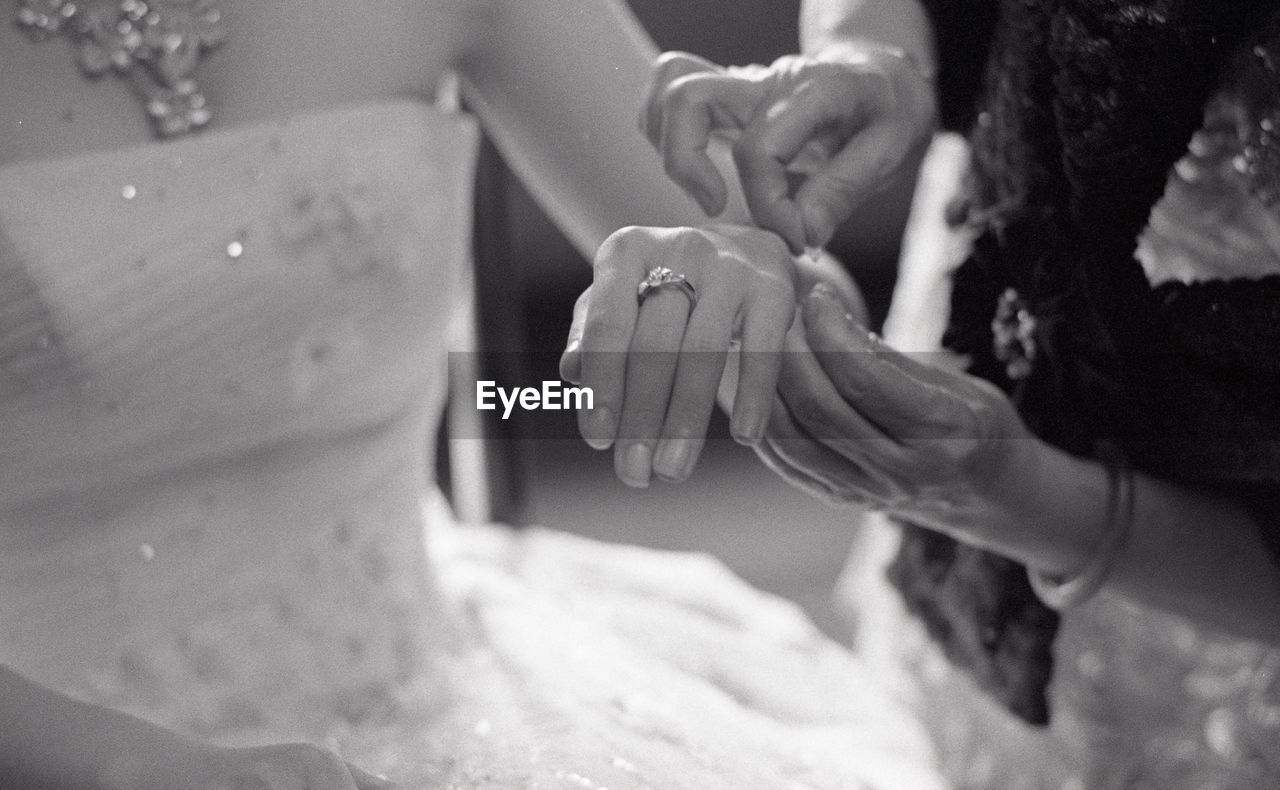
column 571, row 364
column 597, row 428
column 634, row 465
column 820, row 299
column 672, row 462
column 818, row 224
column 823, row 291
column 748, row 429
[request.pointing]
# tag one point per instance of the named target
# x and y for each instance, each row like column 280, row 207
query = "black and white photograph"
column 640, row 395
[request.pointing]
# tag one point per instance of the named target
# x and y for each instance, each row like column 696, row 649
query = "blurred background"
column 733, row 507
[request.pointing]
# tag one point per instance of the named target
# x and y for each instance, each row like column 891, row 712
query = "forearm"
column 559, row 86
column 1202, row 556
column 1188, row 552
column 50, row 740
column 899, row 23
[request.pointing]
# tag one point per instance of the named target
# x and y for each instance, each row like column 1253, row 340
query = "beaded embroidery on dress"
column 220, row 358
column 154, row 44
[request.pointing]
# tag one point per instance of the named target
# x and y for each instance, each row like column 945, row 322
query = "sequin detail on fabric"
column 154, row 44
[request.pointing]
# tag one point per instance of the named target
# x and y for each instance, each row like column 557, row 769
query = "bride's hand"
column 654, row 368
column 848, row 119
column 860, row 422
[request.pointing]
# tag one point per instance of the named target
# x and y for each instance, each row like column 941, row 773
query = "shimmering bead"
column 1220, row 732
column 1013, row 334
column 158, row 47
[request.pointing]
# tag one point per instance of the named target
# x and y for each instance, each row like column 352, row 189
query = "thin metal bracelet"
column 1068, row 592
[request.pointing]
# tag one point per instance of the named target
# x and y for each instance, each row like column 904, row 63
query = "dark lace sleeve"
column 962, row 31
column 1224, row 346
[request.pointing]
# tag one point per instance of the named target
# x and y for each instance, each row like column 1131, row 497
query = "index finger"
column 770, row 144
column 669, row 67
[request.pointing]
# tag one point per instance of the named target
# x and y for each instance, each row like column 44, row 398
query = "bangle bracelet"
column 1068, row 592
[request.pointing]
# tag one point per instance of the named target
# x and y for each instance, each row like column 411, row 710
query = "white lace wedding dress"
column 220, row 359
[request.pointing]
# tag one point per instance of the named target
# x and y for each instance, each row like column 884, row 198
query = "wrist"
column 1061, row 501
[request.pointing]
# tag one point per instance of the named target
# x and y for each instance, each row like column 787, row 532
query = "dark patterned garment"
column 1124, row 288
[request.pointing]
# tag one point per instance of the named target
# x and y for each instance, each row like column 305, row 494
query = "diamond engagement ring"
column 662, row 277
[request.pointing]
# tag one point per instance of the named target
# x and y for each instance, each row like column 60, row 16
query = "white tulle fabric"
column 220, row 363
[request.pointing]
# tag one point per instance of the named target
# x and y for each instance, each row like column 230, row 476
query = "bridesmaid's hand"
column 859, row 422
column 846, row 120
column 655, row 368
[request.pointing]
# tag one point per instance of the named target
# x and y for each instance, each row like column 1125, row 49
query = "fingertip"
column 633, row 463
column 571, row 363
column 597, row 427
column 675, row 459
column 819, row 224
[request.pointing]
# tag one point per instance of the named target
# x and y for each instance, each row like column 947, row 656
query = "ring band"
column 662, row 277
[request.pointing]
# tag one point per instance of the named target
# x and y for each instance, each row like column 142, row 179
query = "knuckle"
column 694, row 246
column 676, row 62
column 604, row 330
column 620, row 243
column 680, row 94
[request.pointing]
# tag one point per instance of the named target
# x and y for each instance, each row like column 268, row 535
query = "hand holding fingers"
column 909, row 401
column 793, row 453
column 807, row 463
column 949, row 442
column 822, row 416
